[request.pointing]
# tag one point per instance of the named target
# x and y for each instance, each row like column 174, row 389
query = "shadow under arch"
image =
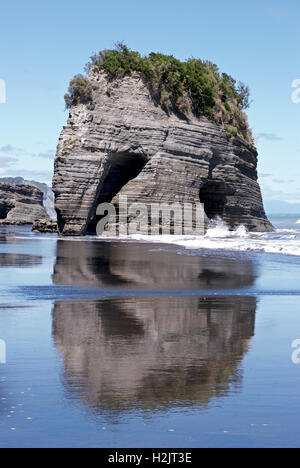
column 213, row 195
column 124, row 166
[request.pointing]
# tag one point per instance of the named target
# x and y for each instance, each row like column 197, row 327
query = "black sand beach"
column 137, row 344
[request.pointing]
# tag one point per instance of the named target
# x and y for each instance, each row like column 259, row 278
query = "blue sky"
column 44, row 44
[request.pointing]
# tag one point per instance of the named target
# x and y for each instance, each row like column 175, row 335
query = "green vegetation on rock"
column 231, row 130
column 190, row 87
column 67, row 146
column 80, row 91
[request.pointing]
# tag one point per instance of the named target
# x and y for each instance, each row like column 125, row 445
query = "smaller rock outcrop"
column 20, row 204
column 47, row 191
column 45, row 225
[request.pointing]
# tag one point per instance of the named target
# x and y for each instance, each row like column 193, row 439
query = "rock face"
column 20, row 204
column 45, row 225
column 47, row 191
column 123, row 143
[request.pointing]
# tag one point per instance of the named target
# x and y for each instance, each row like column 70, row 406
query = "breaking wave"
column 284, row 240
column 219, row 237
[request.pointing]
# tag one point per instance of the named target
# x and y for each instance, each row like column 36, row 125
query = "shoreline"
column 153, row 342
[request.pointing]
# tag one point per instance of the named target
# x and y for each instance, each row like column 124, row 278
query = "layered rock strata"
column 45, row 225
column 20, row 204
column 123, row 143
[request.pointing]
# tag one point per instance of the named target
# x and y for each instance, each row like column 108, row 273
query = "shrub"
column 80, row 91
column 227, row 106
column 243, row 95
column 230, row 130
column 190, row 87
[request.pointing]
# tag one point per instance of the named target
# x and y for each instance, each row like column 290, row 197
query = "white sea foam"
column 220, row 237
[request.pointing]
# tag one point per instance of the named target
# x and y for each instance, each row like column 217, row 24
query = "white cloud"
column 7, row 161
column 271, row 193
column 39, row 176
column 268, row 136
column 45, row 155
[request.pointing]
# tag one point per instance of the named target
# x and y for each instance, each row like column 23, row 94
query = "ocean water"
column 284, row 240
column 166, row 342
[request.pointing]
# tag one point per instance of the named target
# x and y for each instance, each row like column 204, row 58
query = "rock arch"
column 124, row 167
column 213, row 195
column 124, row 142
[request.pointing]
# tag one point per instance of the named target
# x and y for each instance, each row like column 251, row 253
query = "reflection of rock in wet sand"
column 9, row 236
column 19, row 260
column 153, row 352
column 145, row 266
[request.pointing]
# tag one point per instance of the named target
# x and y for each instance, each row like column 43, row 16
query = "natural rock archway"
column 123, row 142
column 213, row 195
column 124, row 167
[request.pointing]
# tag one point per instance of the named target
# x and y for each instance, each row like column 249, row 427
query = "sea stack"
column 127, row 134
column 21, row 204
